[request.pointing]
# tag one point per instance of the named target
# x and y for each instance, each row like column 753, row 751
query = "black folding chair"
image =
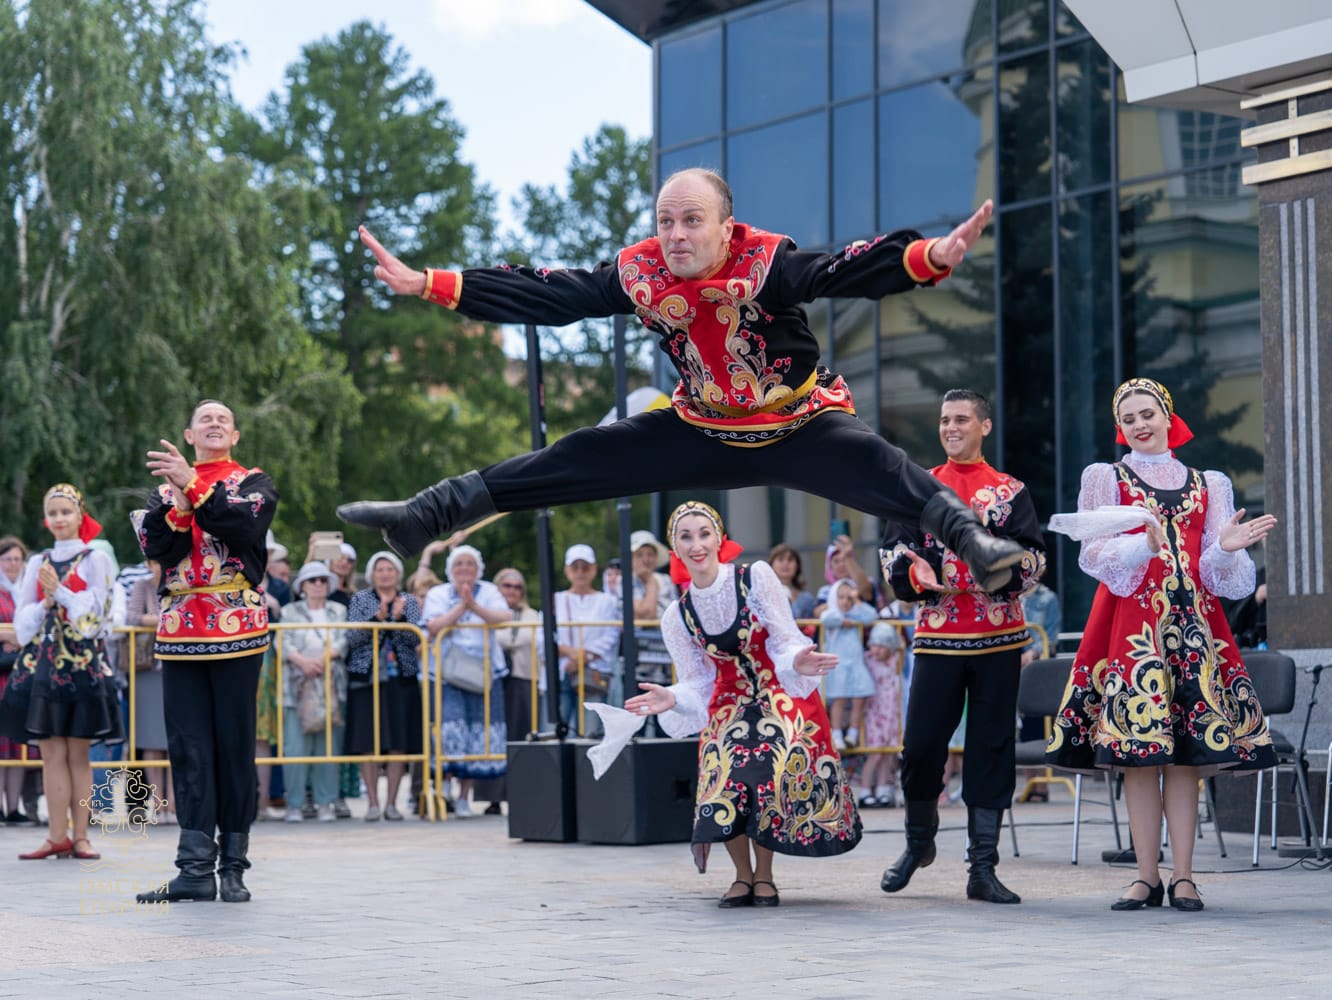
column 1040, row 695
column 1273, row 677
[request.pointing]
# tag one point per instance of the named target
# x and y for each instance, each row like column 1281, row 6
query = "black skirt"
column 59, row 689
column 399, row 717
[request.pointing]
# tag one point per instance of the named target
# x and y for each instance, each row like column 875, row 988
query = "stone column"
column 1293, row 175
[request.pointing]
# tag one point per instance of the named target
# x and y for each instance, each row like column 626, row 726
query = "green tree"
column 368, row 134
column 138, row 264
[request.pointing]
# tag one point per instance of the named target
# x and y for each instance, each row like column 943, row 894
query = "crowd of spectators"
column 328, row 689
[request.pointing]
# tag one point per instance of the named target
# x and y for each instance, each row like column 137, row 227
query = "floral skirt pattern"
column 1146, row 692
column 58, row 689
column 462, row 731
column 767, row 771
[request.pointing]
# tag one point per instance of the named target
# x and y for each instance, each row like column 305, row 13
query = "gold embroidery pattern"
column 805, row 806
column 1172, row 681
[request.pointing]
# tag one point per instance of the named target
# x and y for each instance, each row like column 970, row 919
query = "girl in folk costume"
column 769, row 775
column 1157, row 686
column 60, row 693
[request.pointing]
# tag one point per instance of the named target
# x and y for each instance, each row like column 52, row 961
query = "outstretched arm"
column 401, row 279
column 888, row 264
column 550, row 297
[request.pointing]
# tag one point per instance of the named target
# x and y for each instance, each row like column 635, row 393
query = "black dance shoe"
column 1155, row 893
column 1186, row 903
column 773, row 900
column 744, row 899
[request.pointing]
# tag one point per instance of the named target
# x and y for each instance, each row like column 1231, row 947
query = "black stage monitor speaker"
column 645, row 797
column 540, row 783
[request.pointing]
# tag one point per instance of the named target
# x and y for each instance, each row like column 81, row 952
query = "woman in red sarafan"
column 769, row 777
column 1157, row 686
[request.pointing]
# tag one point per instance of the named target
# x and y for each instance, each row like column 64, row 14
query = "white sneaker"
column 838, row 740
column 294, row 816
column 325, row 813
column 853, row 737
column 462, row 808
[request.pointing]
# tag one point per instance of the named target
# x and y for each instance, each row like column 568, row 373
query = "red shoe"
column 86, row 855
column 49, row 848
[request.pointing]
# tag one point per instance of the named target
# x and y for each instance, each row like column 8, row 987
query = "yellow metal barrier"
column 433, row 781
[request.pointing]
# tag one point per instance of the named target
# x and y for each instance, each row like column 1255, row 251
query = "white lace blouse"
column 716, row 608
column 1120, row 561
column 84, row 609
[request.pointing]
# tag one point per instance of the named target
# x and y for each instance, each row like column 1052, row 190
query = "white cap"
column 348, row 552
column 581, row 551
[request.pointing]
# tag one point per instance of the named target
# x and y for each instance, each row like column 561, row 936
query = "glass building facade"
column 1123, row 241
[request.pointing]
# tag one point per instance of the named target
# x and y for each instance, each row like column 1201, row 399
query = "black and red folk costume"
column 753, row 407
column 968, row 646
column 211, row 638
column 1158, row 677
column 61, row 683
column 767, row 767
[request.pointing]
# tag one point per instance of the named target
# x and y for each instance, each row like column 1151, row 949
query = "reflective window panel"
column 776, row 63
column 919, row 40
column 935, row 150
column 689, row 88
column 780, row 178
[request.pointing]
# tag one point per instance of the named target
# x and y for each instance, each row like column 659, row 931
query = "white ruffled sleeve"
column 85, row 609
column 696, row 675
column 28, row 611
column 770, row 603
column 88, row 609
column 1226, row 574
column 1120, row 562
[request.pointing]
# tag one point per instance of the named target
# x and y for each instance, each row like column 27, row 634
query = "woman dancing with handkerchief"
column 1157, row 686
column 769, row 778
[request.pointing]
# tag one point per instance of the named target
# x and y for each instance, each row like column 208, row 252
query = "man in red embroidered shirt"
column 753, row 406
column 207, row 525
column 968, row 649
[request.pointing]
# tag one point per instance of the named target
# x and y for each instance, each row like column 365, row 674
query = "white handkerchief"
column 620, row 728
column 1102, row 522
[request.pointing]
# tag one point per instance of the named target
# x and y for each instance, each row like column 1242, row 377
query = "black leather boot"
column 409, row 525
column 922, row 823
column 196, row 856
column 982, row 883
column 948, row 518
column 231, row 865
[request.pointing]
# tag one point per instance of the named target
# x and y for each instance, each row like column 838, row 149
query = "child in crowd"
column 883, row 716
column 844, row 625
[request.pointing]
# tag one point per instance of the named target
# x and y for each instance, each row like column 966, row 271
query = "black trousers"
column 835, row 456
column 987, row 685
column 210, row 723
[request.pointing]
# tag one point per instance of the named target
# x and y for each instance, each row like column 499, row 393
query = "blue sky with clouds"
column 527, row 79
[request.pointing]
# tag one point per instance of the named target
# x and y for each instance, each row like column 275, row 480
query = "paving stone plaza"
column 457, row 909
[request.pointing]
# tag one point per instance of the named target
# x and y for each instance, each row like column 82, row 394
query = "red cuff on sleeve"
column 911, row 576
column 198, row 492
column 443, row 288
column 916, row 260
column 178, row 521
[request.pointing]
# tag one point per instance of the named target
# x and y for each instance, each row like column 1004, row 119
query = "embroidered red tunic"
column 739, row 338
column 965, row 619
column 213, row 559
